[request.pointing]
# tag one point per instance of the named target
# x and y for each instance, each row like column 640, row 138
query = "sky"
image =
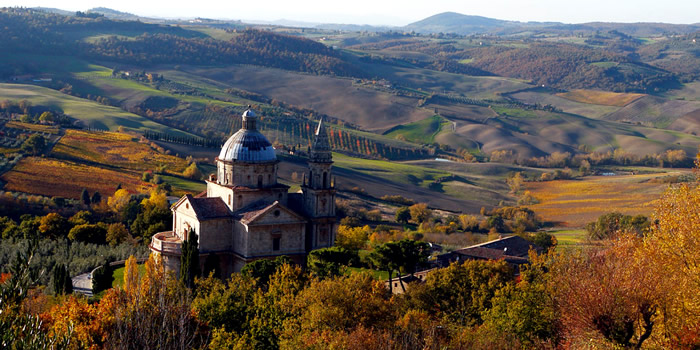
column 395, row 12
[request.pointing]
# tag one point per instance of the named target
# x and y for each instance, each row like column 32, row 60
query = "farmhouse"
column 245, row 214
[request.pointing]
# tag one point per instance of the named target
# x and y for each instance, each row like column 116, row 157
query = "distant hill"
column 457, row 23
column 452, row 22
column 114, row 14
column 54, row 10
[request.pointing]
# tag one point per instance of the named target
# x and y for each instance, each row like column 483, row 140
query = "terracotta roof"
column 512, row 245
column 208, row 207
column 251, row 213
column 489, row 254
column 254, row 211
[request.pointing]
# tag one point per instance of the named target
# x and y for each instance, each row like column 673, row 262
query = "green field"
column 380, row 275
column 566, row 238
column 390, row 171
column 91, row 113
column 183, row 184
column 118, row 275
column 423, row 131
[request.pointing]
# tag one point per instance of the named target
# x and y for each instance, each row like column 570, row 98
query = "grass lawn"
column 118, row 275
column 184, row 184
column 569, row 237
column 380, row 275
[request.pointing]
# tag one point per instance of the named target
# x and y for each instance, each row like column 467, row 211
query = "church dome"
column 248, row 144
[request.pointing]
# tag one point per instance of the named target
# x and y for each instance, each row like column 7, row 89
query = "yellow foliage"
column 352, row 238
column 119, row 200
column 131, row 275
column 157, row 199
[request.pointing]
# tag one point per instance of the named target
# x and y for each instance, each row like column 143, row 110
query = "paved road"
column 82, row 284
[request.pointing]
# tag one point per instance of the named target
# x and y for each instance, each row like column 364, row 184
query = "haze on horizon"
column 396, row 13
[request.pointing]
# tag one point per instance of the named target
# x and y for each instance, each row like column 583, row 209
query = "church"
column 245, row 214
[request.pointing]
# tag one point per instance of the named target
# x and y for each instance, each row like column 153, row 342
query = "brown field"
column 33, row 127
column 371, row 109
column 601, row 97
column 114, row 149
column 51, row 177
column 574, row 203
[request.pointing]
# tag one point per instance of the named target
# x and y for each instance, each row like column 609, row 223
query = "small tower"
column 319, row 193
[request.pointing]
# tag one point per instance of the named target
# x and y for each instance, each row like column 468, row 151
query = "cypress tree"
column 189, row 260
column 61, row 281
column 96, row 198
column 85, row 196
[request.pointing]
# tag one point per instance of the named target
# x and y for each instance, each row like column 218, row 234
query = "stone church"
column 245, row 214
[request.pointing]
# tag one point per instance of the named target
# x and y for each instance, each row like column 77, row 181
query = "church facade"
column 246, row 215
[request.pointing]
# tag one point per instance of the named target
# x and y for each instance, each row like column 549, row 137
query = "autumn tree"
column 609, row 294
column 420, row 212
column 116, row 234
column 131, row 275
column 352, row 238
column 515, row 182
column 53, row 225
column 192, row 172
column 673, row 244
column 154, row 216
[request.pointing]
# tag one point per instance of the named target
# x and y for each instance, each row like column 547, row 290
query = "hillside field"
column 114, row 150
column 574, row 203
column 51, row 177
column 90, row 113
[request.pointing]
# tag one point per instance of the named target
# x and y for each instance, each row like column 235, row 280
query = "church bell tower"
column 318, row 190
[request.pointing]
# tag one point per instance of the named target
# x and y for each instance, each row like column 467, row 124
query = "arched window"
column 260, row 181
column 325, row 180
column 311, row 178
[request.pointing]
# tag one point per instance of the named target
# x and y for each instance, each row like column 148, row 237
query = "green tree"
column 189, row 260
column 46, row 117
column 413, row 254
column 611, row 224
column 263, row 269
column 526, row 311
column 102, row 278
column 88, row 233
column 403, row 215
column 328, row 262
column 20, row 329
column 33, row 145
column 462, row 293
